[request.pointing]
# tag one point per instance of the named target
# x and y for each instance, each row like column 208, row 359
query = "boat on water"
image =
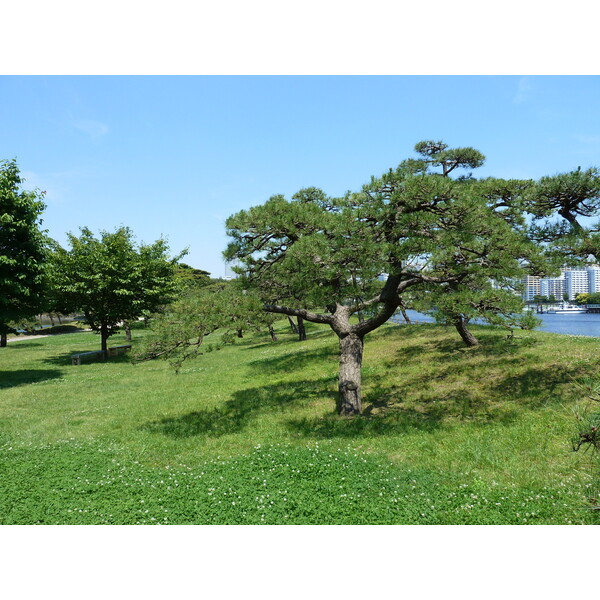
column 566, row 309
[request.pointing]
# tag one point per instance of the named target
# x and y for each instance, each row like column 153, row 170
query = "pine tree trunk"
column 461, row 326
column 293, row 325
column 301, row 330
column 272, row 332
column 3, row 340
column 351, row 353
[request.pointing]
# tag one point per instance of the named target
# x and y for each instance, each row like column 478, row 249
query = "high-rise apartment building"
column 554, row 286
column 593, row 279
column 531, row 287
column 570, row 281
column 576, row 282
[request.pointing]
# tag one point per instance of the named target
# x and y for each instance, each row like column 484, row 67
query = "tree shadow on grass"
column 65, row 358
column 365, row 425
column 295, row 360
column 9, row 379
column 285, row 338
column 241, row 409
column 25, row 344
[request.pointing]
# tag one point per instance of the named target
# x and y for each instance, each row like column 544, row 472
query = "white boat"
column 567, row 309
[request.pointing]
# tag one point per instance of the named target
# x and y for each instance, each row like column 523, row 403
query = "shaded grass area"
column 494, row 421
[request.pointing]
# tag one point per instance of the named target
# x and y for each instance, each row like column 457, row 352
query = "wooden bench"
column 77, row 358
column 114, row 351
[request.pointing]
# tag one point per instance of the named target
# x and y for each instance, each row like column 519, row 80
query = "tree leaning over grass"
column 112, row 280
column 22, row 250
column 180, row 331
column 415, row 229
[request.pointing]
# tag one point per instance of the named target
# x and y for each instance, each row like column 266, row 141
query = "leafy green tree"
column 113, row 280
column 190, row 276
column 419, row 229
column 22, row 250
column 593, row 298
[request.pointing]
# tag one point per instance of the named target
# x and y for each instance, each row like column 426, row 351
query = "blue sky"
column 175, row 155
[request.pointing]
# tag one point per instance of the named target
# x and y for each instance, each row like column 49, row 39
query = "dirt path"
column 21, row 338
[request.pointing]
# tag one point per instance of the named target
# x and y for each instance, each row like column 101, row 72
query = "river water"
column 587, row 324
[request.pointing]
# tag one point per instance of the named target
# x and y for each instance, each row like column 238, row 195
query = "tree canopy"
column 111, row 279
column 325, row 257
column 561, row 205
column 22, row 249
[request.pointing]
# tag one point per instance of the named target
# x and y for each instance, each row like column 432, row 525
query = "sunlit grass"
column 496, row 418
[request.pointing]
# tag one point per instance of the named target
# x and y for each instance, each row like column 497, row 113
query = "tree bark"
column 272, row 332
column 461, row 326
column 104, row 340
column 3, row 340
column 293, row 325
column 350, row 378
column 301, row 330
column 128, row 331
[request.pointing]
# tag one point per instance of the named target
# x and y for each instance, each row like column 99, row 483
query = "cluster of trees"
column 453, row 246
column 417, row 236
column 551, row 299
column 593, row 298
column 111, row 279
column 426, row 235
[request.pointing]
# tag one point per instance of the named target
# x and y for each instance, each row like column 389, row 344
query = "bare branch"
column 299, row 312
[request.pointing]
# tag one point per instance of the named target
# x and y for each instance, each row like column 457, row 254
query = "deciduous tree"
column 22, row 250
column 111, row 279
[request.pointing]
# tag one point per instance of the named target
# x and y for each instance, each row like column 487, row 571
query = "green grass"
column 248, row 434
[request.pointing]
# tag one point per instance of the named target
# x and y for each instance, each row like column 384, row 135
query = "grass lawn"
column 248, row 434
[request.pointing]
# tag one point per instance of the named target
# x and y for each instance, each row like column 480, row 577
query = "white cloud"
column 94, row 129
column 523, row 90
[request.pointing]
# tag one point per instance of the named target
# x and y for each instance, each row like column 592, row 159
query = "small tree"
column 179, row 333
column 22, row 250
column 111, row 280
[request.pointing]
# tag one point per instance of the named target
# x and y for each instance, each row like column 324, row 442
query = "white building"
column 593, row 279
column 576, row 282
column 553, row 286
column 570, row 281
column 531, row 287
